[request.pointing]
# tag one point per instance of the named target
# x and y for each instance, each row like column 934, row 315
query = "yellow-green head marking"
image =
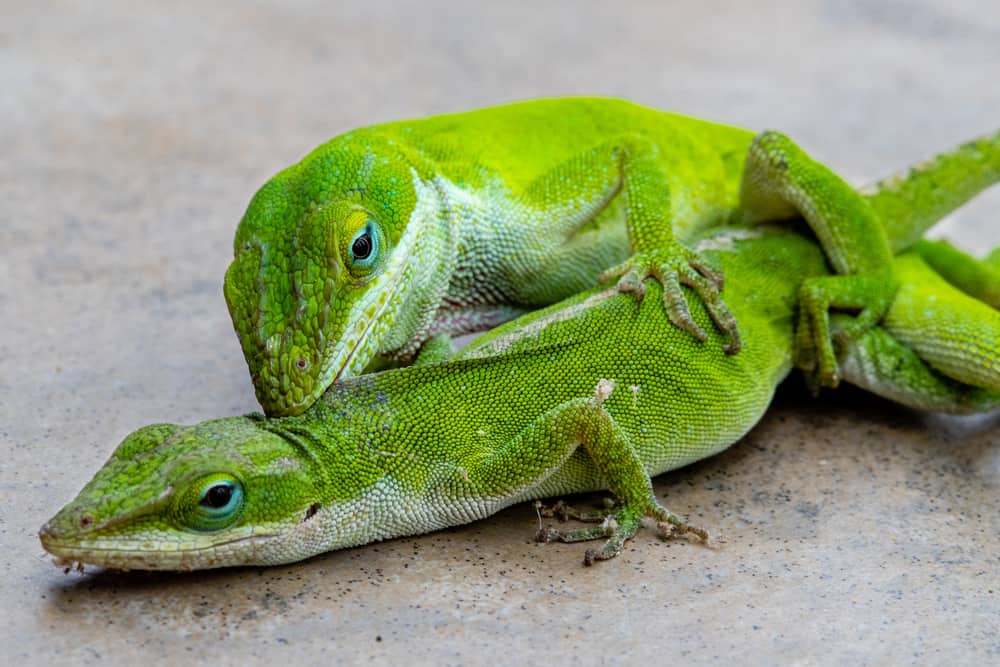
column 324, row 258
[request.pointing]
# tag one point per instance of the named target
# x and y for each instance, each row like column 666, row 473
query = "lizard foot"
column 673, row 266
column 617, row 524
column 563, row 512
column 818, row 346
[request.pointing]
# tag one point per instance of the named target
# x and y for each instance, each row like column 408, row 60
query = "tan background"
column 131, row 140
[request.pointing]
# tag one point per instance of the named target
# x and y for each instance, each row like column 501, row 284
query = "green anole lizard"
column 389, row 239
column 596, row 392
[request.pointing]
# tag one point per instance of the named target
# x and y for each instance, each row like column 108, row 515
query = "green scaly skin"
column 597, row 392
column 466, row 220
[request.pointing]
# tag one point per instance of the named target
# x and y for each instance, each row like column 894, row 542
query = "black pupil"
column 362, row 246
column 218, row 496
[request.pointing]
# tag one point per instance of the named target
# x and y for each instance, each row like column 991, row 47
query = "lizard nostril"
column 302, row 363
column 85, row 521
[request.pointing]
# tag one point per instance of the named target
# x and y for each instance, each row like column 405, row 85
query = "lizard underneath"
column 597, row 392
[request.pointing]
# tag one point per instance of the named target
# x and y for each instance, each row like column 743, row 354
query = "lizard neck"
column 486, row 224
column 456, row 283
column 426, row 265
column 378, row 472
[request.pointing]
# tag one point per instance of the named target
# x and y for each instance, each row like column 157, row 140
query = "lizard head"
column 321, row 267
column 223, row 492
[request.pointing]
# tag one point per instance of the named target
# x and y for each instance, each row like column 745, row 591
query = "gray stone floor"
column 855, row 532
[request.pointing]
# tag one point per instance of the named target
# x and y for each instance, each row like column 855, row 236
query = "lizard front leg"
column 548, row 442
column 630, row 167
column 435, row 350
column 780, row 182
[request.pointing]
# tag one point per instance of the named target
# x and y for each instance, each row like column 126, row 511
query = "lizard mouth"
column 153, row 555
column 346, row 351
column 351, row 353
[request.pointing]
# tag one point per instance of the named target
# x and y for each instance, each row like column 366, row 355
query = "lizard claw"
column 819, row 346
column 673, row 266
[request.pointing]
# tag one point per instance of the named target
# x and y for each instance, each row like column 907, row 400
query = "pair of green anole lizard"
column 389, row 237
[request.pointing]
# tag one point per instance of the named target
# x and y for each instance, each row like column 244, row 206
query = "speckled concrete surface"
column 855, row 532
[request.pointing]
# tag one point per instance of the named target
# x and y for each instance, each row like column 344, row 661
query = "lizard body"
column 391, row 236
column 596, row 392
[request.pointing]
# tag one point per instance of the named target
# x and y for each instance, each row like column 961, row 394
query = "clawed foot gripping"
column 672, row 267
column 617, row 524
column 781, row 182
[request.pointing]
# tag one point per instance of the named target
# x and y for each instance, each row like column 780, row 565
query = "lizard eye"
column 217, row 496
column 219, row 501
column 365, row 249
column 361, row 246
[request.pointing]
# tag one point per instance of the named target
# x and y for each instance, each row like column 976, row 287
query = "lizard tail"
column 910, row 202
column 979, row 278
column 937, row 349
column 955, row 334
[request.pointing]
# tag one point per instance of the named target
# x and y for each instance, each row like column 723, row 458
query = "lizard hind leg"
column 781, row 182
column 611, row 451
column 879, row 363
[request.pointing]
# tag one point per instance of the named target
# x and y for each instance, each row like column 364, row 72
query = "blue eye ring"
column 220, row 501
column 365, row 246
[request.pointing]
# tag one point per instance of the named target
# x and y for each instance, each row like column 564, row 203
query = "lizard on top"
column 387, row 240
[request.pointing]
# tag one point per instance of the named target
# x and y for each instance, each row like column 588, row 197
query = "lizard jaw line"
column 362, row 340
column 343, row 357
column 151, row 558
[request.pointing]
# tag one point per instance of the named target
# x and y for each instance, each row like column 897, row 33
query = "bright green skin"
column 478, row 216
column 596, row 392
